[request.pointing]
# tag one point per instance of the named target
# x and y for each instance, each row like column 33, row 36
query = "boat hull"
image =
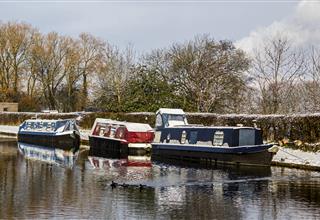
column 66, row 141
column 101, row 146
column 246, row 155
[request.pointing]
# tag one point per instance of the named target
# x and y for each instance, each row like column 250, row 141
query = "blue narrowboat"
column 63, row 134
column 176, row 139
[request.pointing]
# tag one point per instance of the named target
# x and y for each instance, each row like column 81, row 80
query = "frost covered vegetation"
column 42, row 71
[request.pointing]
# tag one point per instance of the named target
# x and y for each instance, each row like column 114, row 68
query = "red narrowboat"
column 126, row 137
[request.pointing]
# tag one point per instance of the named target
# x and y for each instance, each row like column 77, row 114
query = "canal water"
column 31, row 188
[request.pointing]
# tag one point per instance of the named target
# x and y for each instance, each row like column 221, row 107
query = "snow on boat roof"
column 46, row 120
column 131, row 126
column 212, row 127
column 173, row 111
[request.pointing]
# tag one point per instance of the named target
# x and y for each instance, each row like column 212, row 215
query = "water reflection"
column 110, row 160
column 29, row 189
column 49, row 155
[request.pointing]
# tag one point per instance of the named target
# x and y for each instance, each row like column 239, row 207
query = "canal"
column 32, row 188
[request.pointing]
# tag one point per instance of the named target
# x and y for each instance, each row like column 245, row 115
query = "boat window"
column 158, row 121
column 120, row 132
column 60, row 125
column 96, row 130
column 53, row 126
column 157, row 137
column 49, row 126
column 43, row 125
column 113, row 130
column 34, row 125
column 165, row 120
column 67, row 127
column 183, row 137
column 101, row 131
column 176, row 117
column 193, row 137
column 72, row 125
column 176, row 120
column 107, row 131
column 168, row 138
column 28, row 126
column 246, row 137
column 218, row 138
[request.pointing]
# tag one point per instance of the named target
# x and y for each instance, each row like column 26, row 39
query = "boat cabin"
column 47, row 126
column 172, row 128
column 167, row 117
column 125, row 131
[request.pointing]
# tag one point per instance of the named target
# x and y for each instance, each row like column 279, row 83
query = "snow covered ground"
column 287, row 155
column 9, row 129
column 284, row 156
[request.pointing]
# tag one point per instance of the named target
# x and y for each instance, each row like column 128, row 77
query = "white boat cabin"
column 168, row 117
column 129, row 131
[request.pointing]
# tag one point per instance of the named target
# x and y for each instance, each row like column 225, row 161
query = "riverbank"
column 285, row 157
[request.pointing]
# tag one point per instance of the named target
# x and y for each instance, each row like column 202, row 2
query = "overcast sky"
column 149, row 25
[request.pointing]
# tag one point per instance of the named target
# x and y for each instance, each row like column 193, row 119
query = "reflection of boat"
column 109, row 135
column 62, row 134
column 47, row 154
column 130, row 161
column 117, row 159
column 241, row 171
column 174, row 138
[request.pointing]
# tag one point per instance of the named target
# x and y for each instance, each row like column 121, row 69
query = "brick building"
column 8, row 107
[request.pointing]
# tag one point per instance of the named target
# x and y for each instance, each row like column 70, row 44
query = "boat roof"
column 173, row 111
column 46, row 120
column 212, row 127
column 131, row 126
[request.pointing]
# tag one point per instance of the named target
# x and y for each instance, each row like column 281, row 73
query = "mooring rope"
column 300, row 158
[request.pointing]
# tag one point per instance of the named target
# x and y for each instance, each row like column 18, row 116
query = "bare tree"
column 15, row 40
column 277, row 68
column 114, row 74
column 209, row 72
column 309, row 88
column 48, row 56
column 91, row 55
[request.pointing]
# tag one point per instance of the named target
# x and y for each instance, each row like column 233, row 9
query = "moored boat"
column 126, row 137
column 176, row 139
column 63, row 134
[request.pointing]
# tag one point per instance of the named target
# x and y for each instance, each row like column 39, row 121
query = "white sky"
column 301, row 27
column 150, row 25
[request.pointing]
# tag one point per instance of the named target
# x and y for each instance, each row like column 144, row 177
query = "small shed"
column 8, row 107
